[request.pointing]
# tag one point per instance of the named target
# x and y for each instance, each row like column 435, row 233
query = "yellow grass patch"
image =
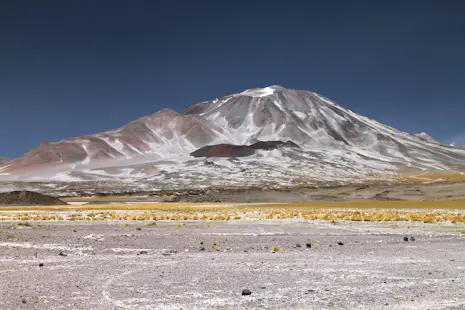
column 215, row 207
column 377, row 211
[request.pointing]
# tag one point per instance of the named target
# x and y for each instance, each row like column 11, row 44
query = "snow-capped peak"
column 260, row 92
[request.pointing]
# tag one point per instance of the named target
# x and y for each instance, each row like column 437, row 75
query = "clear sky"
column 69, row 68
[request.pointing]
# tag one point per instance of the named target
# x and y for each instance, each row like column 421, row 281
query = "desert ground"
column 292, row 249
column 286, row 264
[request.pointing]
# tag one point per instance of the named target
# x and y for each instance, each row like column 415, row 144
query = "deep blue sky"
column 69, row 68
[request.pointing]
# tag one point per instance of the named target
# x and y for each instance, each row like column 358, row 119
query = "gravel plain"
column 286, row 264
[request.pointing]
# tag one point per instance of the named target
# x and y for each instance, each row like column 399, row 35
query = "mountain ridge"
column 332, row 138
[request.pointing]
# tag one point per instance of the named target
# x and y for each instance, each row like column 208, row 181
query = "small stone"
column 41, row 265
column 143, row 253
column 246, row 292
column 168, row 252
column 308, row 245
column 202, row 249
column 263, row 287
column 62, row 254
column 24, row 301
column 412, row 238
column 298, row 245
column 340, row 243
column 406, row 239
column 74, row 230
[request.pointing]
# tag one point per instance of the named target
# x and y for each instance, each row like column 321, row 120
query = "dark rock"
column 406, row 239
column 298, row 245
column 340, row 243
column 24, row 301
column 223, row 150
column 26, row 198
column 41, row 265
column 62, row 254
column 412, row 238
column 143, row 253
column 202, row 249
column 308, row 245
column 246, row 292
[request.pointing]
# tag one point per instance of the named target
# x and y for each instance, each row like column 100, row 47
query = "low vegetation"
column 376, row 211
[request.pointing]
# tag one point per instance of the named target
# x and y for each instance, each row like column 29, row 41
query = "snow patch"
column 260, row 92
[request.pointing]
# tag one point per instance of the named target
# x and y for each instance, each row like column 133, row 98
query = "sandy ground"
column 126, row 265
column 378, row 192
column 303, row 193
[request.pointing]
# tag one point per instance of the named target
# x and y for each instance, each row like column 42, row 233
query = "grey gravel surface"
column 113, row 265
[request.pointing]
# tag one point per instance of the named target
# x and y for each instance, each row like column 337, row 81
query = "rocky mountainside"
column 4, row 160
column 213, row 143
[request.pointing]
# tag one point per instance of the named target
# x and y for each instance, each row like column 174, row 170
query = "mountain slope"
column 4, row 160
column 148, row 138
column 334, row 143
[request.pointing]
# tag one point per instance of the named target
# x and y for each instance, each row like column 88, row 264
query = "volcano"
column 270, row 134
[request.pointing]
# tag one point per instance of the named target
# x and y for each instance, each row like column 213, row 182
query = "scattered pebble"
column 340, row 243
column 406, row 239
column 308, row 245
column 202, row 249
column 246, row 292
column 41, row 265
column 298, row 245
column 143, row 252
column 24, row 301
column 412, row 238
column 62, row 254
column 166, row 252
